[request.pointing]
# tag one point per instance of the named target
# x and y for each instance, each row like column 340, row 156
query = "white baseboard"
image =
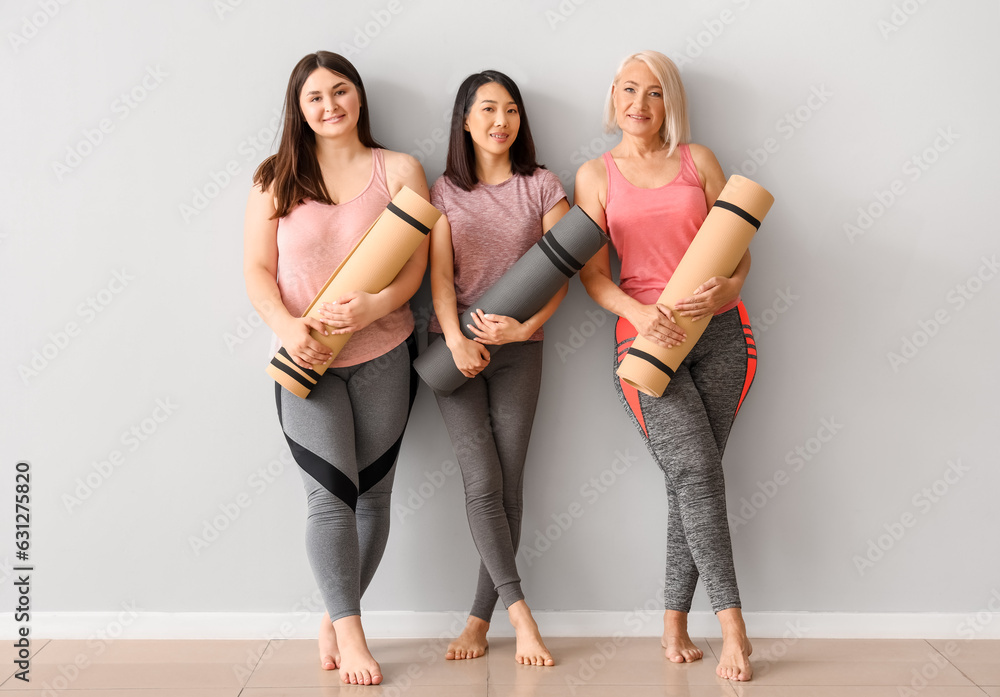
column 132, row 624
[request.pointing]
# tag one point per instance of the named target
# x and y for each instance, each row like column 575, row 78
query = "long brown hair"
column 294, row 170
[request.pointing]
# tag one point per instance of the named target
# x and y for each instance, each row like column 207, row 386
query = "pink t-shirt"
column 313, row 238
column 492, row 226
column 652, row 228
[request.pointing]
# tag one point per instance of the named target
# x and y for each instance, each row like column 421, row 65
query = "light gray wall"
column 873, row 85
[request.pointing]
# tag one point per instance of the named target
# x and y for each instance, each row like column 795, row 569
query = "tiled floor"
column 594, row 667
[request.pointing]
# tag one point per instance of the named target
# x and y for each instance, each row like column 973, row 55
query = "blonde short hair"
column 675, row 128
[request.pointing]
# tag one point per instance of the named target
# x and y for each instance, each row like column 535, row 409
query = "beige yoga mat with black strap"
column 716, row 250
column 372, row 265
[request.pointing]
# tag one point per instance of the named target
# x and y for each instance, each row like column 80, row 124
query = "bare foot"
column 734, row 663
column 357, row 665
column 471, row 643
column 530, row 649
column 676, row 641
column 329, row 653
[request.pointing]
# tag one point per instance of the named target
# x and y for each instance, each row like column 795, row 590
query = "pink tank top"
column 652, row 228
column 313, row 238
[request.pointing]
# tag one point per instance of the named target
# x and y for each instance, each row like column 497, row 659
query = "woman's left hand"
column 708, row 298
column 352, row 312
column 497, row 329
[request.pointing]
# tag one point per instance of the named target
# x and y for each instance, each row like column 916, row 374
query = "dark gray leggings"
column 686, row 431
column 345, row 438
column 489, row 420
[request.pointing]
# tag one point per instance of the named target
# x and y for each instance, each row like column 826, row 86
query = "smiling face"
column 330, row 103
column 493, row 120
column 638, row 98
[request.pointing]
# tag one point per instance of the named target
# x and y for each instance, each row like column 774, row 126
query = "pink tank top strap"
column 614, row 176
column 689, row 171
column 378, row 172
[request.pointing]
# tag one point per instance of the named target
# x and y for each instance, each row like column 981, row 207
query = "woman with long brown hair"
column 309, row 205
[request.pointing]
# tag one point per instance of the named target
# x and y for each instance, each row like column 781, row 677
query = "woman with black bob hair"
column 309, row 205
column 497, row 202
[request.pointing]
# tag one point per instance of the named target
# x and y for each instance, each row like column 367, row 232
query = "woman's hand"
column 306, row 351
column 708, row 298
column 656, row 323
column 497, row 329
column 351, row 312
column 469, row 356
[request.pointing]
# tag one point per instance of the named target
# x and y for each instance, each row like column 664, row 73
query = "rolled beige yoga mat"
column 716, row 250
column 372, row 265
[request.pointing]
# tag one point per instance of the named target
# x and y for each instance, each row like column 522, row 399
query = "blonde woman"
column 651, row 192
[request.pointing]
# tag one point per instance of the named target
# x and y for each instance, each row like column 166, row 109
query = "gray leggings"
column 686, row 431
column 489, row 420
column 345, row 438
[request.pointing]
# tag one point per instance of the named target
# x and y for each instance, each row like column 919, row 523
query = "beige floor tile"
column 8, row 653
column 612, row 691
column 992, row 691
column 976, row 651
column 148, row 651
column 857, row 673
column 843, row 650
column 167, row 692
column 751, row 690
column 978, row 659
column 130, row 675
column 405, row 663
column 366, row 691
column 593, row 661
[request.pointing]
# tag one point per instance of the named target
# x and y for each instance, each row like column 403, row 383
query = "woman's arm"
column 717, row 291
column 470, row 357
column 260, row 271
column 499, row 329
column 655, row 322
column 354, row 311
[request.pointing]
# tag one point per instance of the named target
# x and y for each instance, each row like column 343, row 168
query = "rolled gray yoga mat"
column 521, row 292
